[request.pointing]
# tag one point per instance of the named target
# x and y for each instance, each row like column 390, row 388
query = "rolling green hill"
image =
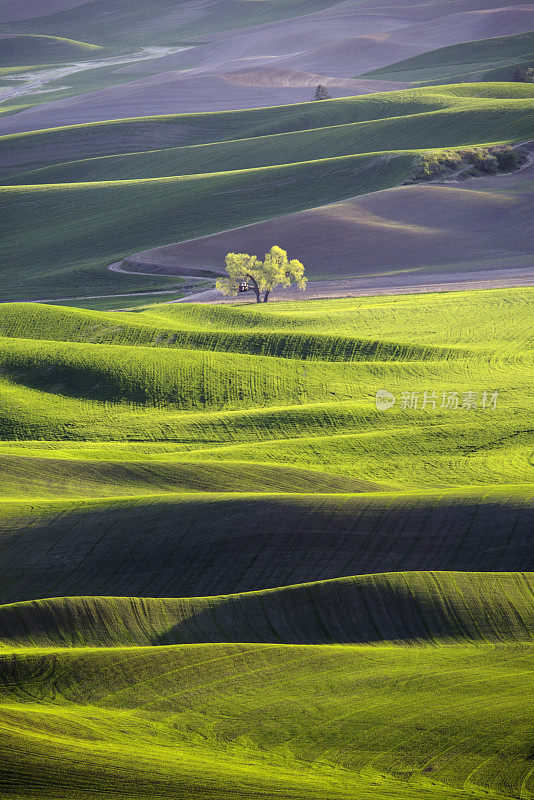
column 465, row 124
column 45, row 477
column 186, row 411
column 167, row 135
column 284, row 384
column 76, row 229
column 252, row 721
column 152, row 133
column 284, row 160
column 486, row 59
column 401, row 606
column 224, row 573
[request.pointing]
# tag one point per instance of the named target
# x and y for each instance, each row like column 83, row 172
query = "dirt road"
column 387, row 284
column 408, row 283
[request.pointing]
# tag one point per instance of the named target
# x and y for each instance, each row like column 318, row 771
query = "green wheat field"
column 258, row 584
column 227, row 573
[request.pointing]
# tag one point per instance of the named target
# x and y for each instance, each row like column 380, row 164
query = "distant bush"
column 433, row 165
column 509, row 158
column 523, row 74
column 468, row 162
column 483, row 160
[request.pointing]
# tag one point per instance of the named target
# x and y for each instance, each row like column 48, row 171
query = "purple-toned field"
column 282, row 60
column 478, row 224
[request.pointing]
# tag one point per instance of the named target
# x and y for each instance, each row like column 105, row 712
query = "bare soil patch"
column 480, row 224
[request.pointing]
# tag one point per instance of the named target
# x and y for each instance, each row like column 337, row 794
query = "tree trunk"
column 255, row 287
column 266, row 296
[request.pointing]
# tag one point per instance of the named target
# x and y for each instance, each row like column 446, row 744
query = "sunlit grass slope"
column 203, row 419
column 283, row 384
column 224, row 573
column 462, row 62
column 80, row 215
column 256, row 721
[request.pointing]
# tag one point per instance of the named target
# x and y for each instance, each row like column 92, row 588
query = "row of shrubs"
column 469, row 162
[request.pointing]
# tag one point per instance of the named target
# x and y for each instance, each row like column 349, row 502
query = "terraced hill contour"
column 267, row 162
column 225, row 572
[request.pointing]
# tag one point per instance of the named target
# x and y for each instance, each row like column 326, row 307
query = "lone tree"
column 321, row 93
column 261, row 276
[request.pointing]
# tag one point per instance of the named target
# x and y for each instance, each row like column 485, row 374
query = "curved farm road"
column 410, row 239
column 406, row 283
column 116, row 267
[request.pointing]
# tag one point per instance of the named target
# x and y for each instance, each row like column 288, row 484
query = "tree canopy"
column 261, row 276
column 321, row 93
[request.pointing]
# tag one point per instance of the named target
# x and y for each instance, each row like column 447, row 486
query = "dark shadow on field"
column 49, row 477
column 225, row 544
column 396, row 606
column 407, row 607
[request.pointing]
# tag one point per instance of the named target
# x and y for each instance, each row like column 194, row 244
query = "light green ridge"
column 283, row 721
column 468, row 61
column 28, row 49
